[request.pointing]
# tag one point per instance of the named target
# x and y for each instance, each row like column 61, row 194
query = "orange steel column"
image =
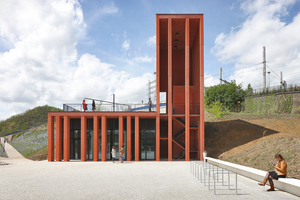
column 137, row 138
column 158, row 138
column 50, row 138
column 58, row 138
column 170, row 88
column 83, row 138
column 104, row 138
column 201, row 125
column 66, row 138
column 96, row 138
column 187, row 89
column 157, row 66
column 128, row 138
column 121, row 134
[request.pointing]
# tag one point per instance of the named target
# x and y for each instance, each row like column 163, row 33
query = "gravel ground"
column 105, row 180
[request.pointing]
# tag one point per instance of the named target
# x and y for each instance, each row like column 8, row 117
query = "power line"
column 273, row 71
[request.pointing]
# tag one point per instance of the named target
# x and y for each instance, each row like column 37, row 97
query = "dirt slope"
column 240, row 139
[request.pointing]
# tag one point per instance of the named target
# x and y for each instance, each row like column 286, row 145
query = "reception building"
column 173, row 131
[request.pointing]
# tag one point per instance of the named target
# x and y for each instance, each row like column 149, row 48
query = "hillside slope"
column 240, row 139
column 26, row 120
column 32, row 143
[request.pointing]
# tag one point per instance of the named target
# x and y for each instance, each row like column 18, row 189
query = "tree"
column 229, row 95
column 249, row 90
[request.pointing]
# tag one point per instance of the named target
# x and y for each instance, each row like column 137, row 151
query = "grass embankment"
column 2, row 151
column 33, row 143
column 26, row 120
column 253, row 140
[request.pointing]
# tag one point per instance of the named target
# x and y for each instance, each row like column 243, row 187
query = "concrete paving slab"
column 105, row 180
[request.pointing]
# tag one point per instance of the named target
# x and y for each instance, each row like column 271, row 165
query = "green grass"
column 36, row 151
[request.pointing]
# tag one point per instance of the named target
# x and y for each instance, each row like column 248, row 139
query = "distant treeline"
column 26, row 120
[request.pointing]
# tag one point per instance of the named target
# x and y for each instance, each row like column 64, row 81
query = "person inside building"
column 150, row 104
column 113, row 153
column 122, row 151
column 281, row 171
column 93, row 106
column 84, row 106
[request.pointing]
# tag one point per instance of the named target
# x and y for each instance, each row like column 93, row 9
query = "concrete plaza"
column 23, row 179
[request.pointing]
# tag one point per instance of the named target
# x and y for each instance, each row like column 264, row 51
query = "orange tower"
column 174, row 131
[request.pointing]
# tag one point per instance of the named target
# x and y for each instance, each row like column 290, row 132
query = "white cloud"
column 111, row 9
column 152, row 40
column 126, row 45
column 263, row 27
column 142, row 59
column 42, row 66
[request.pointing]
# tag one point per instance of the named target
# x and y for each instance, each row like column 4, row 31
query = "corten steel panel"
column 103, row 138
column 178, row 63
column 170, row 141
column 137, row 138
column 83, row 138
column 96, row 138
column 50, row 138
column 128, row 138
column 66, row 138
column 58, row 138
column 163, row 69
column 158, row 138
column 201, row 125
column 157, row 69
column 187, row 90
column 121, row 134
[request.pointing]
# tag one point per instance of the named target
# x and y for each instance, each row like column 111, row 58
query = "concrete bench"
column 289, row 185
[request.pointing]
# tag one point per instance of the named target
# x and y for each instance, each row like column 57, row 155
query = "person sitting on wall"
column 150, row 104
column 84, row 106
column 281, row 171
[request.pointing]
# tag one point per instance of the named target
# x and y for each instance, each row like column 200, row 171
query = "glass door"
column 147, row 144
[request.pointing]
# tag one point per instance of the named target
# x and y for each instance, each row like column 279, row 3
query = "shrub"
column 216, row 109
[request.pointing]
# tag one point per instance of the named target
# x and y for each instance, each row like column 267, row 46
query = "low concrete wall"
column 289, row 185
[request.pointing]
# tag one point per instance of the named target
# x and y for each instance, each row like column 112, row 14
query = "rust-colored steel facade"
column 178, row 133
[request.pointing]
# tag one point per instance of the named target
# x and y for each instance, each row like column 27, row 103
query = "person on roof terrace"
column 150, row 104
column 281, row 171
column 84, row 106
column 93, row 106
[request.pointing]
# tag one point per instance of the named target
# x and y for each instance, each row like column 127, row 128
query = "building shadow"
column 225, row 135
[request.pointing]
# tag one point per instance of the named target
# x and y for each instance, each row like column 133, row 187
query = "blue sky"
column 137, row 19
column 54, row 52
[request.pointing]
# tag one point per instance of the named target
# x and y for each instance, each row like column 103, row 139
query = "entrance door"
column 147, row 144
column 112, row 140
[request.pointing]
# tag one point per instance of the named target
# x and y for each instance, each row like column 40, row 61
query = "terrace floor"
column 130, row 180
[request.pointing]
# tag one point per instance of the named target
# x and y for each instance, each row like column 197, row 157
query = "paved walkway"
column 12, row 153
column 130, row 180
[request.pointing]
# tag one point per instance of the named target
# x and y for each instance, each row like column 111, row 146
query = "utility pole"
column 269, row 79
column 282, row 82
column 151, row 88
column 264, row 67
column 220, row 75
column 221, row 80
column 149, row 85
column 114, row 102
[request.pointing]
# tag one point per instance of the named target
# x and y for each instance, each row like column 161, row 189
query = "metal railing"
column 275, row 89
column 219, row 177
column 113, row 107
